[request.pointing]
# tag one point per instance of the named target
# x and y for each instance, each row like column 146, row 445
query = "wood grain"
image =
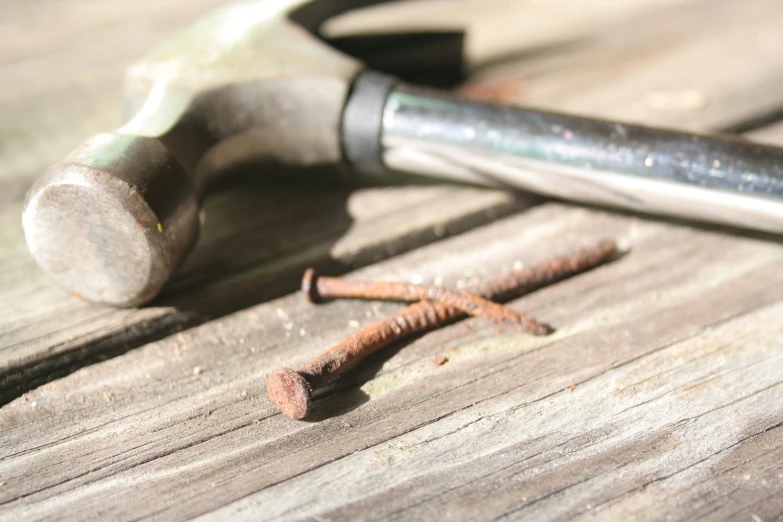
column 673, row 351
column 254, row 246
column 660, row 396
column 497, row 29
column 697, row 65
column 258, row 238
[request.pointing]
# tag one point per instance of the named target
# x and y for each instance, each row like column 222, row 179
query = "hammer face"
column 113, row 220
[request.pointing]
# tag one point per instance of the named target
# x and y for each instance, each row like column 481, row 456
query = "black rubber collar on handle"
column 362, row 123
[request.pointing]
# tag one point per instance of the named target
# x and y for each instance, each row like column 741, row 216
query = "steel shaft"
column 717, row 179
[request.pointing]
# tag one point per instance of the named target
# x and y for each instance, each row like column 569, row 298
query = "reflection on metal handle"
column 708, row 178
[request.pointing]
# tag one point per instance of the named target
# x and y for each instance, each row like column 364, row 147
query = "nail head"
column 310, row 287
column 290, row 393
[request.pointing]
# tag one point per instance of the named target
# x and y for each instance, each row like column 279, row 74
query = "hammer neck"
column 172, row 115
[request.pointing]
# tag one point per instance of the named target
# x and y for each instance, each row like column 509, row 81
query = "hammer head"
column 110, row 221
column 114, row 219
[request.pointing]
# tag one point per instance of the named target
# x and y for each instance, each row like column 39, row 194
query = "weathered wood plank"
column 674, row 351
column 672, row 420
column 46, row 334
column 694, row 66
column 230, row 402
column 254, row 246
column 498, row 29
column 665, row 347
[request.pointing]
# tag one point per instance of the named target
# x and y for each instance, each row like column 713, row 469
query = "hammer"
column 249, row 82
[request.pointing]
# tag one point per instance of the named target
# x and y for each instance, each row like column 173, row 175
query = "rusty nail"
column 317, row 288
column 515, row 283
column 291, row 390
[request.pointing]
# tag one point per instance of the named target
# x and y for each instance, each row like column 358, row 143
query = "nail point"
column 622, row 246
column 290, row 393
column 544, row 329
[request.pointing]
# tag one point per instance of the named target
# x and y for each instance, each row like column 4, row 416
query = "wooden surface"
column 660, row 396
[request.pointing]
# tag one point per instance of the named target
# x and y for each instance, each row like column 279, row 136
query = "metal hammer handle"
column 390, row 127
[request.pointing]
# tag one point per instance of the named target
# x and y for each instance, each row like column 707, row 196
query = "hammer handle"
column 718, row 179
